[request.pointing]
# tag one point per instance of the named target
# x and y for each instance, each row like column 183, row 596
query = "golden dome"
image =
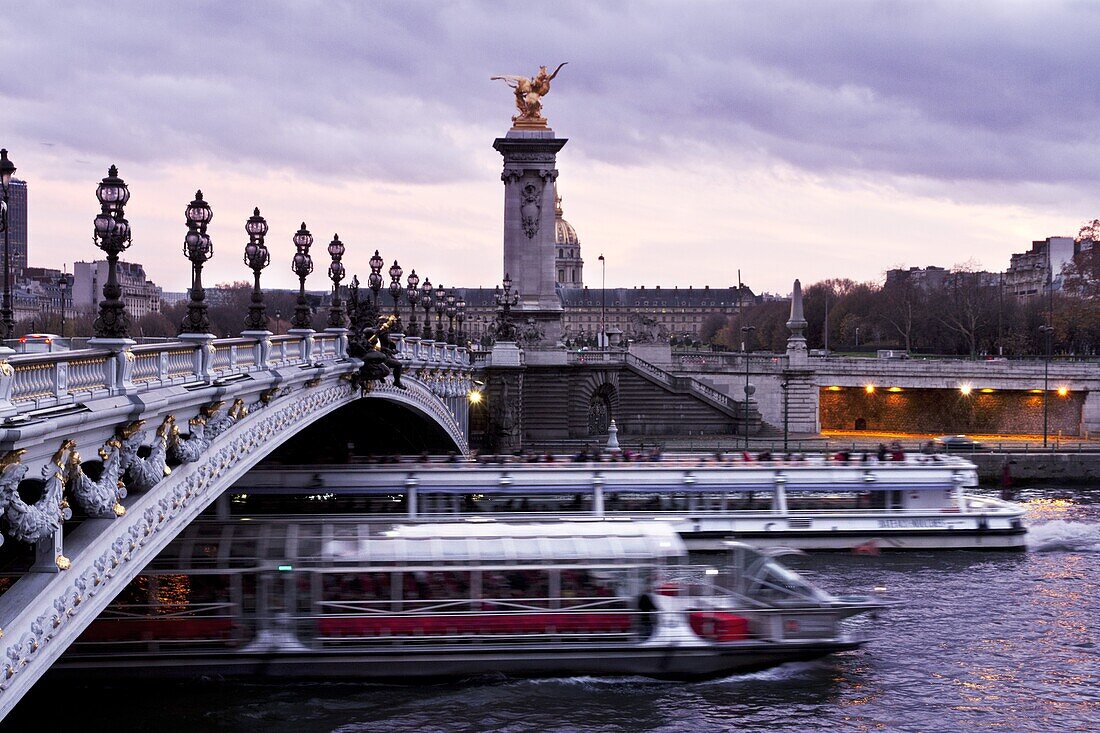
column 564, row 233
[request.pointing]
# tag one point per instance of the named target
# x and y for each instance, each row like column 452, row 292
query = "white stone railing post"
column 305, row 344
column 117, row 373
column 203, row 356
column 7, row 382
column 61, row 379
column 262, row 347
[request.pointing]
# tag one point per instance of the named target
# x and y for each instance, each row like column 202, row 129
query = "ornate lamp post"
column 440, row 306
column 452, row 311
column 412, row 294
column 257, row 258
column 7, row 170
column 505, row 330
column 374, row 281
column 395, row 292
column 112, row 235
column 336, row 317
column 426, row 301
column 198, row 248
column 461, row 317
column 302, row 265
column 63, row 284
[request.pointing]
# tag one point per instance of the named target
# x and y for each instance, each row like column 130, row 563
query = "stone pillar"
column 530, row 160
column 797, row 355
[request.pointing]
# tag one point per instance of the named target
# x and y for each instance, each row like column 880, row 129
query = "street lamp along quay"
column 746, row 332
column 1047, row 332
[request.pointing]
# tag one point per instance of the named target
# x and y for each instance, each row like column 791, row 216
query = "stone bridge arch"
column 42, row 613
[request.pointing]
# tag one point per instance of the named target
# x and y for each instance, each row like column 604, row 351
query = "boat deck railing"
column 607, row 461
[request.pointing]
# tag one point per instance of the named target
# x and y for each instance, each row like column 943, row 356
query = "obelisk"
column 530, row 167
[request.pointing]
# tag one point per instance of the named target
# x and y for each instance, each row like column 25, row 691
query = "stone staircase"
column 691, row 387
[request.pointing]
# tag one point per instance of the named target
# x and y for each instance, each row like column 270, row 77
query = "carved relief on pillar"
column 530, row 207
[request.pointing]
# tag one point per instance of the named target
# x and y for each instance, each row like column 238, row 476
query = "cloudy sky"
column 803, row 139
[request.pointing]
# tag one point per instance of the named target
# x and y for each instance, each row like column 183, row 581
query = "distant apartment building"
column 1029, row 272
column 17, row 225
column 925, row 278
column 140, row 295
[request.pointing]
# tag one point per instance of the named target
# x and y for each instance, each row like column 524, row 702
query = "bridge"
column 167, row 427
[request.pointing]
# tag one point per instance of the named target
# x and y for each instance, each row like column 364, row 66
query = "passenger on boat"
column 882, row 452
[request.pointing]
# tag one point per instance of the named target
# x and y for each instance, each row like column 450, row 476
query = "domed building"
column 568, row 263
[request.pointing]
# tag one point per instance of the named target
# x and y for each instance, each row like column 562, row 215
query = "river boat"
column 816, row 502
column 343, row 599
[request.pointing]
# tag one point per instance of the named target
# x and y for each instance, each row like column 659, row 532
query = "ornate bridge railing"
column 32, row 382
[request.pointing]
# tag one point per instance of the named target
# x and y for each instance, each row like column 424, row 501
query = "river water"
column 980, row 641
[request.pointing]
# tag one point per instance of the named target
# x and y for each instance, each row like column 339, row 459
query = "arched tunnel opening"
column 364, row 431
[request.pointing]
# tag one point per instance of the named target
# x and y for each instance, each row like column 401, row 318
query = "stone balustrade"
column 30, row 382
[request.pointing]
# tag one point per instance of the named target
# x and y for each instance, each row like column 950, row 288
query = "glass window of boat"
column 244, row 544
column 515, row 587
column 662, row 500
column 355, row 592
column 438, row 590
column 831, row 500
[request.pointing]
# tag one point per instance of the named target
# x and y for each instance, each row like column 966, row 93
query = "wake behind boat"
column 815, row 502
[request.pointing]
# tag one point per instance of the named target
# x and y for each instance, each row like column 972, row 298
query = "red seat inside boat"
column 529, row 623
column 152, row 629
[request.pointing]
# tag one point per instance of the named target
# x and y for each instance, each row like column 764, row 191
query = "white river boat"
column 920, row 502
column 344, row 599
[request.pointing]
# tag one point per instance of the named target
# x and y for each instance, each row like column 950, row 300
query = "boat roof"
column 497, row 542
column 252, row 543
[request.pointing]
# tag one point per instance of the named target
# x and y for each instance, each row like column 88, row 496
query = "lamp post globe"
column 412, row 294
column 112, row 235
column 302, row 265
column 256, row 257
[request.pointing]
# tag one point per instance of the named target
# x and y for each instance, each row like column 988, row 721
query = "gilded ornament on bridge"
column 529, row 92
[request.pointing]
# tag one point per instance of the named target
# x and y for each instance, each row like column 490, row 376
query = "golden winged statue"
column 529, row 92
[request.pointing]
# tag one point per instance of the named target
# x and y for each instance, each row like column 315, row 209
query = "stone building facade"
column 141, row 295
